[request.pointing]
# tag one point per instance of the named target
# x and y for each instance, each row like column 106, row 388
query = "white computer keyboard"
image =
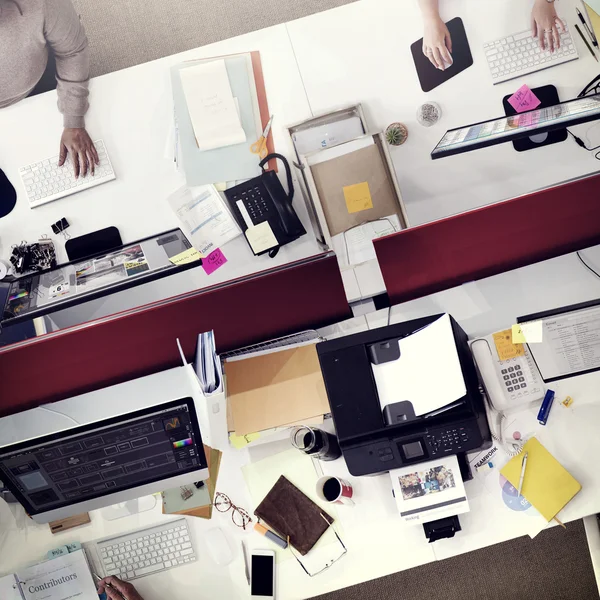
column 147, row 551
column 520, row 54
column 45, row 181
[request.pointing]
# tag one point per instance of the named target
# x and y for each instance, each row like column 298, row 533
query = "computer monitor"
column 566, row 341
column 110, row 461
column 78, row 281
column 525, row 124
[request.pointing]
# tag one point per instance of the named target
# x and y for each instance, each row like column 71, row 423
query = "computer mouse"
column 218, row 546
column 8, row 195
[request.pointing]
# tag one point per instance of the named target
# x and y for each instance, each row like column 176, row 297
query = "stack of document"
column 207, row 364
column 267, row 393
column 220, row 110
column 204, row 218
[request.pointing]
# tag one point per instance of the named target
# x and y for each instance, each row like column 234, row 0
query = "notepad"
column 548, row 486
column 211, row 105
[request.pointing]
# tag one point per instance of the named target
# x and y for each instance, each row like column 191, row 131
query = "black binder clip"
column 60, row 227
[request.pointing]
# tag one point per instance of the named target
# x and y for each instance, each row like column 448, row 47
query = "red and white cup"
column 334, row 490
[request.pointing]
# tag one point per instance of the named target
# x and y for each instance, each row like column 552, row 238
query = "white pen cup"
column 335, row 490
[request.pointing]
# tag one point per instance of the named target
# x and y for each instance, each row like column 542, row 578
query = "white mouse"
column 218, row 546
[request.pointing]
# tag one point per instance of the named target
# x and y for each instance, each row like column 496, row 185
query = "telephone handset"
column 263, row 199
column 509, row 385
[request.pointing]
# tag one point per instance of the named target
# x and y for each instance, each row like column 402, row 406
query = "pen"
column 108, row 585
column 246, row 567
column 584, row 22
column 586, row 42
column 523, row 467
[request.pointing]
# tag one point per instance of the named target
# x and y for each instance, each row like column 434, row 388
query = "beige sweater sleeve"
column 66, row 36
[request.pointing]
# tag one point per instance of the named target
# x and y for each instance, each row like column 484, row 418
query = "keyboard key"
column 187, row 552
column 149, row 569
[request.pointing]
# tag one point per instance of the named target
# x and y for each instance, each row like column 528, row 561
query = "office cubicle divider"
column 139, row 342
column 489, row 240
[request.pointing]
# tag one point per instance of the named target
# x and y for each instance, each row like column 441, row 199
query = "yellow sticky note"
column 241, row 441
column 261, row 237
column 183, row 258
column 567, row 401
column 505, row 346
column 527, row 333
column 358, row 197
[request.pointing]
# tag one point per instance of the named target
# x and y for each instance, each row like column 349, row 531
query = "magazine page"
column 67, row 577
column 9, row 590
column 430, row 490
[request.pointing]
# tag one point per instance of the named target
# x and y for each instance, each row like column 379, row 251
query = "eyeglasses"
column 592, row 88
column 329, row 564
column 239, row 516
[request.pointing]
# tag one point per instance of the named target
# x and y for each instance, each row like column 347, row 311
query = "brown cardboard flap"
column 364, row 165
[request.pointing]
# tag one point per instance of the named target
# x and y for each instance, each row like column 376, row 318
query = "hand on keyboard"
column 544, row 22
column 78, row 144
column 115, row 589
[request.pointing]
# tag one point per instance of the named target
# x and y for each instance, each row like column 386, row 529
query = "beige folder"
column 275, row 389
column 365, row 165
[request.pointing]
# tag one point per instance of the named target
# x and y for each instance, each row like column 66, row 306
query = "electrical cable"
column 581, row 143
column 586, row 265
column 57, row 412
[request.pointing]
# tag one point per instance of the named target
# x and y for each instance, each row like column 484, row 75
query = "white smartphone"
column 262, row 574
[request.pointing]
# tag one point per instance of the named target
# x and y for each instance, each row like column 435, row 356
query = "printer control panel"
column 448, row 441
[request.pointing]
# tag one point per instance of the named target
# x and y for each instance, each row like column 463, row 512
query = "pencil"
column 586, row 42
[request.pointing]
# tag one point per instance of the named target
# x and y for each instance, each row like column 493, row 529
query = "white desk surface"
column 132, row 111
column 377, row 544
column 362, row 54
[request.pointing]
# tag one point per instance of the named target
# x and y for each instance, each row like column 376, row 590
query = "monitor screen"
column 105, row 457
column 41, row 293
column 504, row 129
column 567, row 340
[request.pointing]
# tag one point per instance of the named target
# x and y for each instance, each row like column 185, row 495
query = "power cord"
column 56, row 412
column 586, row 265
column 581, row 143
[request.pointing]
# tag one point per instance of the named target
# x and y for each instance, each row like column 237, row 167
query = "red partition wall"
column 480, row 243
column 136, row 343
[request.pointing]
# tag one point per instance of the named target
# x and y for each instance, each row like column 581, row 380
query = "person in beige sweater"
column 40, row 40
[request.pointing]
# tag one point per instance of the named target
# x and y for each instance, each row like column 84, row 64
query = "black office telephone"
column 263, row 199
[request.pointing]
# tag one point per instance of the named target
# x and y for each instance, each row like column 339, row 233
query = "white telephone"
column 509, row 385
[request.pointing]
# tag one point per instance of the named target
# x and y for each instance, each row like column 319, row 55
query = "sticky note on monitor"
column 505, row 347
column 261, row 237
column 358, row 197
column 183, row 258
column 524, row 99
column 527, row 333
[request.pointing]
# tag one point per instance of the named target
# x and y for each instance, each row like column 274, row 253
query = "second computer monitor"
column 106, row 462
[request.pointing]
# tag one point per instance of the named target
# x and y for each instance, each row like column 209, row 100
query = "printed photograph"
column 421, row 483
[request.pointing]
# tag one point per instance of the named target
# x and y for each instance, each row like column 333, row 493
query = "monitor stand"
column 548, row 96
column 129, row 508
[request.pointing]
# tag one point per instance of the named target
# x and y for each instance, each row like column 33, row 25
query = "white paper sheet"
column 261, row 237
column 428, row 372
column 204, row 218
column 211, row 106
column 8, row 588
column 326, row 135
column 428, row 491
column 355, row 246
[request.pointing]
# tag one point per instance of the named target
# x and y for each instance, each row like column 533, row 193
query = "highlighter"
column 270, row 535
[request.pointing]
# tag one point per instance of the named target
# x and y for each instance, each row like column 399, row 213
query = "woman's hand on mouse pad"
column 437, row 43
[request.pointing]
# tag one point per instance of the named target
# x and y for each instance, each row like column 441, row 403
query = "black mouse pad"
column 548, row 96
column 429, row 76
column 8, row 195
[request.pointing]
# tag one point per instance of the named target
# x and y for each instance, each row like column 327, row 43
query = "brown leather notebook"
column 291, row 513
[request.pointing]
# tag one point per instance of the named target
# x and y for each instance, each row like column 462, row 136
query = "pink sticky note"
column 213, row 261
column 524, row 99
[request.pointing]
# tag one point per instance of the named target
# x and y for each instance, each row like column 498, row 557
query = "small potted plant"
column 396, row 134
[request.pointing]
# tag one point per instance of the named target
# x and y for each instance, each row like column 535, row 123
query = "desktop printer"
column 403, row 394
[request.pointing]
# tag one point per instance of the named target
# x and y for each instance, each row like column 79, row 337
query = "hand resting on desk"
column 115, row 589
column 79, row 145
